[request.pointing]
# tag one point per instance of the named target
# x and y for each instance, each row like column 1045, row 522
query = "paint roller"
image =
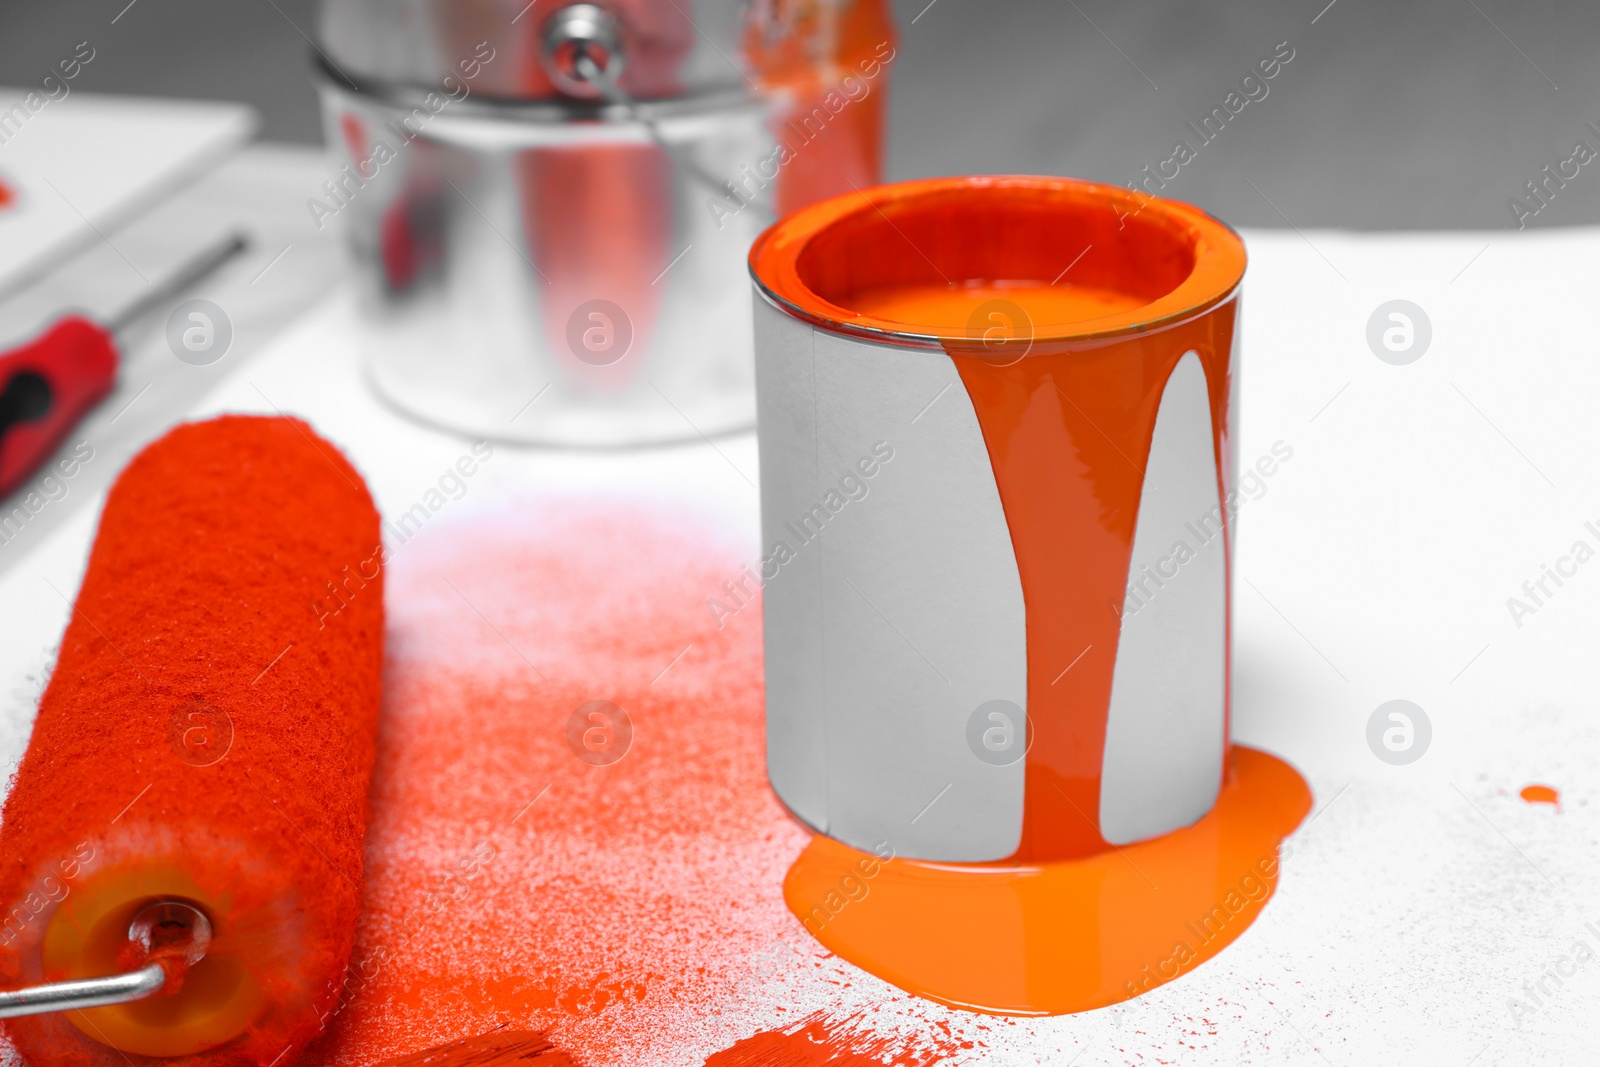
column 181, row 847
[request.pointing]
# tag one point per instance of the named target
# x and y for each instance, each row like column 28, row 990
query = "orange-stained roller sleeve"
column 207, row 735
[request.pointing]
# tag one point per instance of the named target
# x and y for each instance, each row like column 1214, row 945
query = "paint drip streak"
column 1072, row 525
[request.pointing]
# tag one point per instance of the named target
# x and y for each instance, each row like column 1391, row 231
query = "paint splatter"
column 1542, row 794
column 817, row 1041
column 502, row 1048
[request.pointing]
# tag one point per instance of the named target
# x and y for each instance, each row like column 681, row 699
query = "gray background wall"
column 1392, row 115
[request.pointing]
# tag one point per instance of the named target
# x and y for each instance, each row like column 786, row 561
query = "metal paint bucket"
column 548, row 207
column 996, row 473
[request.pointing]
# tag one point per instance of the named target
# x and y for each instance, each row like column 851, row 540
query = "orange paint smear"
column 1055, row 938
column 502, row 1048
column 1542, row 794
column 817, row 1041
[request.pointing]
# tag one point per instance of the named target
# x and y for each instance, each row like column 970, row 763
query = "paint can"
column 548, row 206
column 996, row 428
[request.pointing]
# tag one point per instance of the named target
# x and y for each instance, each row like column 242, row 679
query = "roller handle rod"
column 83, row 993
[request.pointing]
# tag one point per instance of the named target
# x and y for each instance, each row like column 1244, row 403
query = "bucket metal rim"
column 408, row 96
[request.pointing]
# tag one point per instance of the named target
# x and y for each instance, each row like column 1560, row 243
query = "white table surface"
column 1377, row 564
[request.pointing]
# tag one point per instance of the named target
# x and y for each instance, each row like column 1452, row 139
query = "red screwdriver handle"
column 46, row 386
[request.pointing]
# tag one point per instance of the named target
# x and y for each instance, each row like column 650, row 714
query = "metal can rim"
column 1217, row 273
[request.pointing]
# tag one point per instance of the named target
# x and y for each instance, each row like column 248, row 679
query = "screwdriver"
column 51, row 382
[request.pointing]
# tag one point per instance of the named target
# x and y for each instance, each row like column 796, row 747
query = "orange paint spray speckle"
column 625, row 903
column 1542, row 794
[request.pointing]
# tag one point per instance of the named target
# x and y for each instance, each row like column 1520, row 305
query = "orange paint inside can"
column 953, row 307
column 1068, row 936
column 1542, row 794
column 1044, row 237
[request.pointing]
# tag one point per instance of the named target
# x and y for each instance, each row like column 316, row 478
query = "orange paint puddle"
column 818, row 1041
column 1542, row 794
column 1061, row 937
column 951, row 307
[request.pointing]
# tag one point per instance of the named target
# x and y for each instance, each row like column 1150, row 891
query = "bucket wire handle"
column 584, row 56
